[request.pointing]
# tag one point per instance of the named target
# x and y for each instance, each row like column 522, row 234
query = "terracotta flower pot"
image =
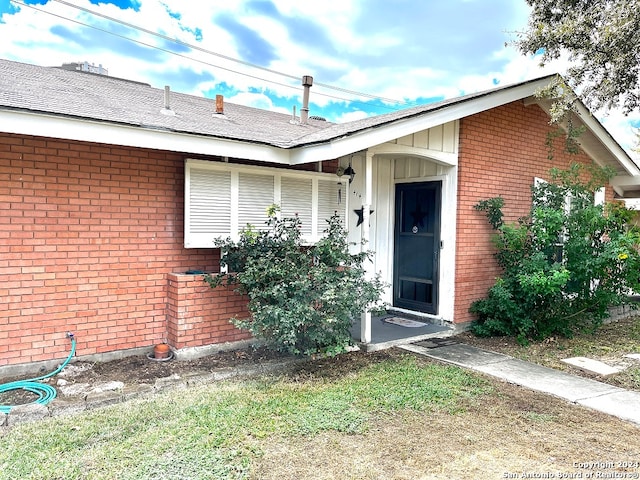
column 161, row 350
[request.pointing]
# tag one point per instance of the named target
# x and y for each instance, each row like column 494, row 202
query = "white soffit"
column 607, row 141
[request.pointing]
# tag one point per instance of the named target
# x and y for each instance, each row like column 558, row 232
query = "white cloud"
column 350, row 117
column 401, row 51
column 256, row 100
column 620, row 128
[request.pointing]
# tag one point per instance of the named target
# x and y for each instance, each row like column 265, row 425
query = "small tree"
column 302, row 299
column 564, row 265
column 601, row 40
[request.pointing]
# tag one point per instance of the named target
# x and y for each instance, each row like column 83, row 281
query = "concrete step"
column 592, row 366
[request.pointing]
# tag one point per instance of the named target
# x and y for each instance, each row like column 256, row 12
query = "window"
column 557, row 253
column 569, row 203
column 221, row 199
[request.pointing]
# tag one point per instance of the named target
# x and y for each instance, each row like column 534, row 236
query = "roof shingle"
column 98, row 97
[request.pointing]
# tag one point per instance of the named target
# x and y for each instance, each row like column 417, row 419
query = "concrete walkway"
column 599, row 396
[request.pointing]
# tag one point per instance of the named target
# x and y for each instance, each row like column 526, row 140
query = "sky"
column 367, row 57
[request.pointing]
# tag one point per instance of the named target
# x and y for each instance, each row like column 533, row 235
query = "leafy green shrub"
column 564, row 265
column 302, row 299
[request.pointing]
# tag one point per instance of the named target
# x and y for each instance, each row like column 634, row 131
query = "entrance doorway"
column 417, row 246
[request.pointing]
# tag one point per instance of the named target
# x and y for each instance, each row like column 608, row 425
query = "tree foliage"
column 302, row 299
column 602, row 38
column 564, row 265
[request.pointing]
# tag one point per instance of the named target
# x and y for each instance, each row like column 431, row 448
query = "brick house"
column 111, row 191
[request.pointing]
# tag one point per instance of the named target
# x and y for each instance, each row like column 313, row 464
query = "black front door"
column 417, row 246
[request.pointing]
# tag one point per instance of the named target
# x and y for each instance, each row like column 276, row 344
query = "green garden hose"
column 45, row 392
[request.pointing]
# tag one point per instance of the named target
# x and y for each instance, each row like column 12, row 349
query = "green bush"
column 564, row 265
column 302, row 298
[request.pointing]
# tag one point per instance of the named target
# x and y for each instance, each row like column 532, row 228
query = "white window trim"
column 206, row 240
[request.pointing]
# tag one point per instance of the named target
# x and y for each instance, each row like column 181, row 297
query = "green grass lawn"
column 218, row 431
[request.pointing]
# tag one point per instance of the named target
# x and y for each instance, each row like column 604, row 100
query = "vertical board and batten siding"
column 413, row 168
column 247, row 192
column 389, row 170
column 383, row 220
column 441, row 138
column 332, row 199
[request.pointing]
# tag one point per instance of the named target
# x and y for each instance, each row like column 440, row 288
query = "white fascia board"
column 607, row 140
column 67, row 128
column 625, row 181
column 599, row 133
column 379, row 134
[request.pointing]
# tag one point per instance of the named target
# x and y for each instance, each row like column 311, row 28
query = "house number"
column 414, row 229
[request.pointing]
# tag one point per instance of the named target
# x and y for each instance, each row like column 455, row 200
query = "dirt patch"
column 139, row 369
column 610, row 344
column 516, row 432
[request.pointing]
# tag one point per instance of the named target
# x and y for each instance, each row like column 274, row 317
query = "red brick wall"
column 501, row 151
column 88, row 235
column 199, row 315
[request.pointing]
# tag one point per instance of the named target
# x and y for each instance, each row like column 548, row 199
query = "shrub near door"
column 564, row 266
column 302, row 299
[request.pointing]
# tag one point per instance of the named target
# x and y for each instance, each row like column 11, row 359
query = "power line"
column 139, row 42
column 174, row 40
column 209, row 52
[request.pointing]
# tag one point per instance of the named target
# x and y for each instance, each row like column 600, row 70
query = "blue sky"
column 366, row 56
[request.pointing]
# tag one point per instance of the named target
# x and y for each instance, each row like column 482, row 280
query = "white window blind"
column 255, row 195
column 296, row 198
column 221, row 199
column 210, row 202
column 330, row 201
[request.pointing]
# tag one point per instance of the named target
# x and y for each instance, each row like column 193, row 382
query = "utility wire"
column 231, row 59
column 209, row 52
column 139, row 42
column 174, row 40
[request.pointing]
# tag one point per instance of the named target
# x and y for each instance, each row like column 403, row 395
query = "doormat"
column 404, row 322
column 436, row 343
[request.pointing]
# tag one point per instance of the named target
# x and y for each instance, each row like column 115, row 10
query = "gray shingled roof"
column 97, row 97
column 109, row 99
column 345, row 129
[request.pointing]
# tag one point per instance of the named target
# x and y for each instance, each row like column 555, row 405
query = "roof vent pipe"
column 219, row 104
column 167, row 103
column 167, row 92
column 307, row 81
